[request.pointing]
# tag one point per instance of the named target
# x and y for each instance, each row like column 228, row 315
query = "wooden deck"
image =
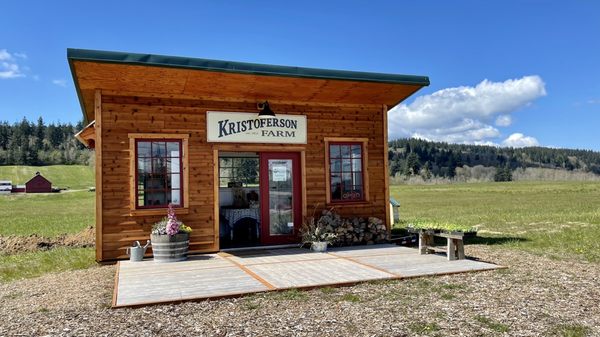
column 245, row 272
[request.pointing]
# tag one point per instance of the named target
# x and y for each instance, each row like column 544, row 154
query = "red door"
column 280, row 197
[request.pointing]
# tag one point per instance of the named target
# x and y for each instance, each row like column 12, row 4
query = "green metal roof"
column 239, row 67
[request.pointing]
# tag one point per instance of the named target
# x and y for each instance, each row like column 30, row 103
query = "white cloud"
column 504, row 120
column 60, row 82
column 9, row 68
column 520, row 140
column 465, row 114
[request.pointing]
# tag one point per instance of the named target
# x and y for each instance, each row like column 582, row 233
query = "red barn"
column 38, row 184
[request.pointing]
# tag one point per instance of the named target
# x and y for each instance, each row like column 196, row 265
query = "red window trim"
column 137, row 191
column 362, row 172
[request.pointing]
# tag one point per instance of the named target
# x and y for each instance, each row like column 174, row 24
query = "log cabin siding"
column 122, row 115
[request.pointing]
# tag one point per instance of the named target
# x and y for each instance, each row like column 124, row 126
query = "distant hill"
column 408, row 157
column 62, row 176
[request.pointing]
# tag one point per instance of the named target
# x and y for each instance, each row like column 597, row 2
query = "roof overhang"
column 87, row 136
column 152, row 75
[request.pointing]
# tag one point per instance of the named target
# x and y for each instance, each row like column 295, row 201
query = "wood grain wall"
column 122, row 115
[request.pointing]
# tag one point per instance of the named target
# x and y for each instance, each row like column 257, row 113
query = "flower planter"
column 320, row 247
column 167, row 248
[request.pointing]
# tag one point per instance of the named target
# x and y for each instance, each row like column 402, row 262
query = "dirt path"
column 21, row 244
column 536, row 296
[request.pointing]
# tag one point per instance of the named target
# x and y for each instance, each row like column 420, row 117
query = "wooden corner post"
column 98, row 153
column 386, row 170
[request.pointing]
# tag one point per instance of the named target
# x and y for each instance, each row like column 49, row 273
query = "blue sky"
column 540, row 58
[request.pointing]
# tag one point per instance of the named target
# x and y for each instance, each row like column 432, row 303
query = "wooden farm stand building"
column 187, row 131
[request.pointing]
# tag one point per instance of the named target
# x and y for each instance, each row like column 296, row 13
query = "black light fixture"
column 265, row 110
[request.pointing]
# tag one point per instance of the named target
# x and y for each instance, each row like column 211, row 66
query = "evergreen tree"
column 412, row 164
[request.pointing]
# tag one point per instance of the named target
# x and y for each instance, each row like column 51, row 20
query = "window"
column 238, row 170
column 159, row 172
column 346, row 178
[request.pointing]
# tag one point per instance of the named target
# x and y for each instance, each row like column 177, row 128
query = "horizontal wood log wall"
column 122, row 115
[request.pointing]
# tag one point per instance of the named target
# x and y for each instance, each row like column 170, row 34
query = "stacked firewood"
column 354, row 231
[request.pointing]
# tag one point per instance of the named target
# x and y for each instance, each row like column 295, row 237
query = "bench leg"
column 451, row 251
column 425, row 240
column 460, row 249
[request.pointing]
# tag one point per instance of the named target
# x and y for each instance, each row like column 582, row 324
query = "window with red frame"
column 346, row 172
column 158, row 173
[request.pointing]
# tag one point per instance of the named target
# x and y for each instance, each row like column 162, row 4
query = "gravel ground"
column 536, row 296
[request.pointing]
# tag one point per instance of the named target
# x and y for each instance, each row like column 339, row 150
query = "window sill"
column 344, row 203
column 156, row 211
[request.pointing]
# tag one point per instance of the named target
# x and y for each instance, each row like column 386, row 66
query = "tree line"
column 411, row 157
column 38, row 143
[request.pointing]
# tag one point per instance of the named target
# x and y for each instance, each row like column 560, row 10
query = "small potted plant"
column 316, row 235
column 170, row 238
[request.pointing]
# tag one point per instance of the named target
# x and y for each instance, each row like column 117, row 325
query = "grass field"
column 27, row 265
column 558, row 219
column 46, row 214
column 63, row 176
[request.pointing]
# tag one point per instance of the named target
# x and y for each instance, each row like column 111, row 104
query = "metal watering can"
column 136, row 252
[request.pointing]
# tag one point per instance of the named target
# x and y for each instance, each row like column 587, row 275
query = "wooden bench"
column 455, row 249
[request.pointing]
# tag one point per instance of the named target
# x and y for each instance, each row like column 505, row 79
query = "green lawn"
column 27, row 265
column 46, row 214
column 71, row 176
column 559, row 219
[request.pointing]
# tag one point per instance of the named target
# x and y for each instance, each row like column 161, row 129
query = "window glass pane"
column 335, row 165
column 334, row 151
column 346, row 165
column 357, row 192
column 224, row 181
column 159, row 165
column 347, row 181
column 173, row 181
column 246, row 170
column 356, row 151
column 357, row 178
column 172, row 149
column 226, row 172
column 225, row 162
column 141, row 199
column 345, row 151
column 156, row 198
column 336, row 187
column 155, row 182
column 357, row 165
column 143, row 149
column 144, row 166
column 159, row 149
column 175, row 197
column 142, row 178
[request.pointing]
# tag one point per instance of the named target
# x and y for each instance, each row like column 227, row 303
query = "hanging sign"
column 246, row 127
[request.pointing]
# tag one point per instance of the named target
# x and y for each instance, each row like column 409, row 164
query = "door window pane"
column 281, row 211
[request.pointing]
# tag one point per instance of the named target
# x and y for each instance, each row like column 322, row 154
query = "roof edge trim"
column 88, row 55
